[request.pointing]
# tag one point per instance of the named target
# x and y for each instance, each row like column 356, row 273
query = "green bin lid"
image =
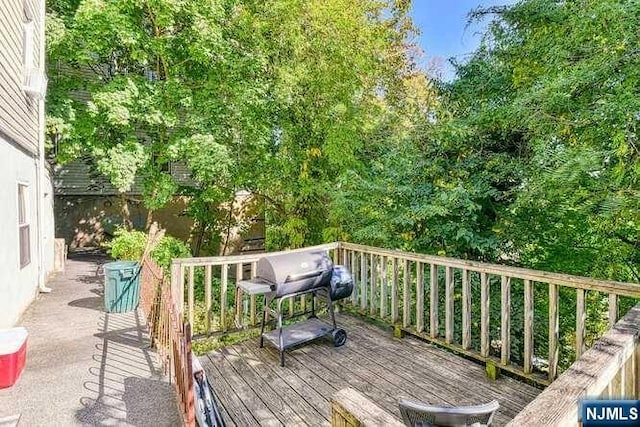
column 120, row 265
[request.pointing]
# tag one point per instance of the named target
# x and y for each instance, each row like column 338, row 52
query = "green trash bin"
column 121, row 286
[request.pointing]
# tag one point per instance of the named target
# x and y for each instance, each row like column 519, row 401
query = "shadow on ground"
column 126, row 385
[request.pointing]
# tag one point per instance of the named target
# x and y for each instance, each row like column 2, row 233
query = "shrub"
column 169, row 248
column 129, row 246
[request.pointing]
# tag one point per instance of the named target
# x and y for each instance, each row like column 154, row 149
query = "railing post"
column 449, row 308
column 581, row 316
column 505, row 329
column 207, row 294
column 177, row 285
column 384, row 285
column 190, row 295
column 188, row 368
column 528, row 325
column 373, row 286
column 419, row 297
column 485, row 296
column 363, row 281
column 224, row 281
column 406, row 296
column 553, row 331
column 433, row 301
column 466, row 310
column 394, row 291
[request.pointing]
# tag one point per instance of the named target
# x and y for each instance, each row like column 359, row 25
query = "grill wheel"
column 339, row 337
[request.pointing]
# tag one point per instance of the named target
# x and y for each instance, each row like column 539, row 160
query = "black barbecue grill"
column 293, row 274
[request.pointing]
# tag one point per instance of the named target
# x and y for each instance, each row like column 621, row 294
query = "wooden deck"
column 254, row 390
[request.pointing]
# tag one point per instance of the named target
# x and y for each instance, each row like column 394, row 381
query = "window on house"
column 23, row 225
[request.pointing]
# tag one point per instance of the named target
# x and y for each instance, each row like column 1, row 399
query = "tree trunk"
column 124, row 210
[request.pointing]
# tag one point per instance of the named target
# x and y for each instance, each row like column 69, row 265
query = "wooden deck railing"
column 170, row 334
column 610, row 369
column 451, row 302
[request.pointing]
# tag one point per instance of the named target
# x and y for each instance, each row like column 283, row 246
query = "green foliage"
column 130, row 245
column 167, row 249
column 127, row 245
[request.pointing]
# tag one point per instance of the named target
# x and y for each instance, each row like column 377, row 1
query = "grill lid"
column 292, row 267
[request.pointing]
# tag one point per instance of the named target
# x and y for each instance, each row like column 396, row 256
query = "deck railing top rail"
column 245, row 259
column 607, row 286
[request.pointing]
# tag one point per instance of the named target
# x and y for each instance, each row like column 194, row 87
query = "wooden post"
column 224, row 279
column 419, row 296
column 383, row 287
column 363, row 281
column 466, row 310
column 484, row 314
column 207, row 294
column 394, row 291
column 374, row 286
column 239, row 296
column 613, row 309
column 252, row 300
column 448, row 311
column 581, row 316
column 505, row 328
column 433, row 301
column 553, row 331
column 191, row 302
column 354, row 273
column 492, row 370
column 528, row 326
column 406, row 296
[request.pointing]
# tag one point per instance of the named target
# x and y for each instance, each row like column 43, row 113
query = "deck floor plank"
column 230, row 404
column 282, row 409
column 373, row 362
column 280, row 387
column 421, row 366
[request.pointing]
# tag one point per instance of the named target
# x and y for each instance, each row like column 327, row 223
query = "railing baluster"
column 433, row 301
column 394, row 291
column 239, row 296
column 384, row 298
column 553, row 331
column 419, row 296
column 466, row 309
column 448, row 308
column 373, row 286
column 190, row 295
column 613, row 309
column 581, row 316
column 252, row 300
column 406, row 296
column 505, row 327
column 485, row 304
column 207, row 294
column 528, row 326
column 363, row 281
column 224, row 276
column 354, row 273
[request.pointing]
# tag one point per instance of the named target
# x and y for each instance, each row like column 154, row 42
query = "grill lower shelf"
column 299, row 333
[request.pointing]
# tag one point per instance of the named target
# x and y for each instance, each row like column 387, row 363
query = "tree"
column 556, row 84
column 272, row 97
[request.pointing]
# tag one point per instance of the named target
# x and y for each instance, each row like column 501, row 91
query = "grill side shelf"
column 299, row 333
column 254, row 286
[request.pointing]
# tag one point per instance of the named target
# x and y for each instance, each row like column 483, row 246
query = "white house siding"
column 21, row 144
column 18, row 286
column 18, row 113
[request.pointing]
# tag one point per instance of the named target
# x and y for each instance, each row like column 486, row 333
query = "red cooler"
column 13, row 353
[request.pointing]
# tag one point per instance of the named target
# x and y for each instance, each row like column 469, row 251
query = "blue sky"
column 442, row 25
